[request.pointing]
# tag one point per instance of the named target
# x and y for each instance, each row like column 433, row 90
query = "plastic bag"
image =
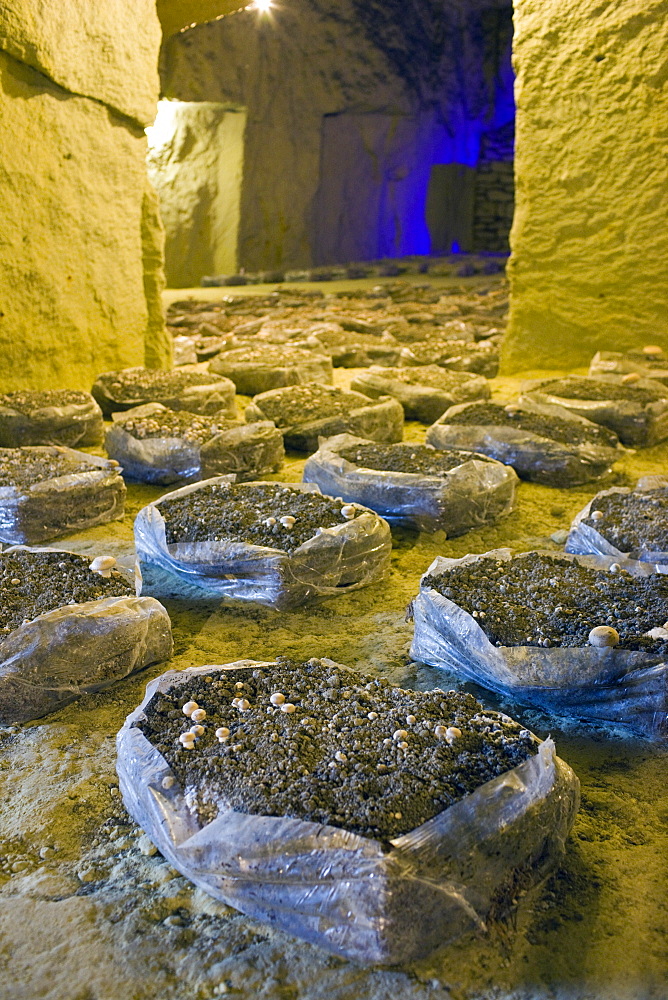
column 214, row 396
column 342, row 558
column 654, row 366
column 459, row 356
column 79, row 648
column 476, row 492
column 70, row 424
column 425, row 403
column 345, row 892
column 584, row 539
column 534, row 457
column 246, row 451
column 272, row 368
column 349, row 349
column 638, row 424
column 615, row 685
column 381, row 420
column 54, row 507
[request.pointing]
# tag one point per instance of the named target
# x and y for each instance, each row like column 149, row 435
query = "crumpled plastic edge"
column 344, row 892
column 474, row 493
column 339, row 559
column 615, row 685
column 254, row 377
column 584, row 539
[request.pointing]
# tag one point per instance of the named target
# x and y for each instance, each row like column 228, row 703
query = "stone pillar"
column 589, row 264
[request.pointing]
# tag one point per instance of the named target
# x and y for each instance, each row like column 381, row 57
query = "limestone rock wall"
column 195, row 162
column 340, row 139
column 78, row 83
column 589, row 265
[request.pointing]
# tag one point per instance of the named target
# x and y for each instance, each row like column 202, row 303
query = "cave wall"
column 589, row 264
column 342, row 128
column 80, row 239
column 195, row 161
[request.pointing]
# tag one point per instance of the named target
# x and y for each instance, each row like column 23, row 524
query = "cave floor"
column 89, row 913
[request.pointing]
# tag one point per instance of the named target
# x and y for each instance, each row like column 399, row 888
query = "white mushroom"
column 630, row 378
column 288, row 521
column 277, row 698
column 197, row 730
column 103, row 565
column 452, row 734
column 604, row 635
column 597, row 515
column 399, row 734
column 652, row 350
column 222, row 734
column 199, row 715
column 288, row 707
column 348, row 511
column 190, row 707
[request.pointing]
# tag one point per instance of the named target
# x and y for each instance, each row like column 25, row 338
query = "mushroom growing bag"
column 77, row 423
column 534, row 456
column 58, row 656
column 584, row 539
column 476, row 492
column 338, row 559
column 243, row 450
column 62, row 504
column 617, row 685
column 353, row 895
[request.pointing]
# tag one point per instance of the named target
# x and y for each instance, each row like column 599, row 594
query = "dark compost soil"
column 407, row 457
column 23, row 468
column 633, row 520
column 240, row 513
column 32, row 583
column 355, row 753
column 555, row 428
column 301, row 404
column 538, row 600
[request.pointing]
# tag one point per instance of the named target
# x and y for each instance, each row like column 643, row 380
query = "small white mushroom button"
column 288, row 521
column 288, row 708
column 372, row 715
column 243, row 704
column 604, row 635
column 190, row 707
column 597, row 515
column 399, row 734
column 277, row 698
column 103, row 565
column 411, row 720
column 167, row 781
column 348, row 511
column 270, row 522
column 630, row 378
column 614, row 568
column 340, row 756
column 652, row 349
column 440, row 732
column 197, row 730
column 452, row 734
column 199, row 715
column 186, row 738
column 239, row 685
column 222, row 734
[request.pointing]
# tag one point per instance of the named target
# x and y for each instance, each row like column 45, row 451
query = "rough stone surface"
column 589, row 265
column 195, row 162
column 115, row 922
column 72, row 174
column 338, row 150
column 175, row 15
column 107, row 51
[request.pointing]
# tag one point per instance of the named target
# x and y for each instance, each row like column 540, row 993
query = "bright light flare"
column 262, row 6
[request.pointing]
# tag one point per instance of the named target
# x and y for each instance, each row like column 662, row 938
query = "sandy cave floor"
column 88, row 911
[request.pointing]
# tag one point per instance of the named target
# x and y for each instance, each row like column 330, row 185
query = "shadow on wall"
column 195, row 163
